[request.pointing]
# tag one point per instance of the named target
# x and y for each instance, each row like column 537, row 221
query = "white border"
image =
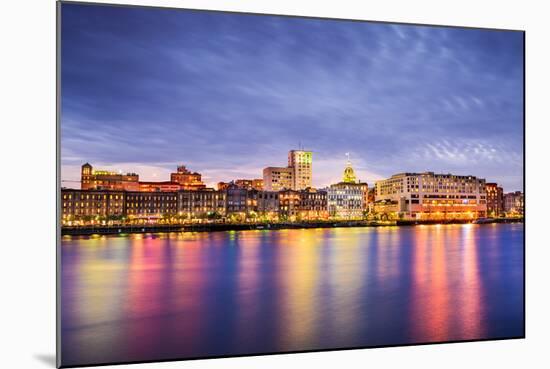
column 28, row 181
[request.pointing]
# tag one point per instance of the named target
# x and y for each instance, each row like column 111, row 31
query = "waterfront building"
column 347, row 199
column 308, row 204
column 91, row 205
column 151, row 206
column 277, row 178
column 240, row 202
column 313, row 204
column 201, row 204
column 370, row 199
column 431, row 196
column 495, row 199
column 289, row 204
column 187, row 180
column 268, row 204
column 91, row 179
column 514, row 203
column 300, row 162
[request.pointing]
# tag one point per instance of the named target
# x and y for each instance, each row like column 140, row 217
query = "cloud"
column 229, row 95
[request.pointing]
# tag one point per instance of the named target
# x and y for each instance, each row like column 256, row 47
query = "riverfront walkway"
column 217, row 227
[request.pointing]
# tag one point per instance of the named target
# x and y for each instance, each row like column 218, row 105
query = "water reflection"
column 472, row 299
column 167, row 296
column 430, row 292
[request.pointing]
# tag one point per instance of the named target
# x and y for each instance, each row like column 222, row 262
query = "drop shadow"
column 48, row 359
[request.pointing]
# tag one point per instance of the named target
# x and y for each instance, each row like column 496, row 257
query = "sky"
column 145, row 89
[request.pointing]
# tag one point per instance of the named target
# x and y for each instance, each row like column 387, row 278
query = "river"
column 186, row 295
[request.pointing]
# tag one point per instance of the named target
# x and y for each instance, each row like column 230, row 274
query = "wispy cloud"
column 229, row 95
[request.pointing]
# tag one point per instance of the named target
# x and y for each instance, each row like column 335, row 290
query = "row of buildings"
column 182, row 179
column 297, row 175
column 284, row 193
column 110, row 196
column 500, row 203
column 444, row 196
column 234, row 203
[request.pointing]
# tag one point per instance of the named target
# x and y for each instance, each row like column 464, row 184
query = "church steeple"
column 349, row 173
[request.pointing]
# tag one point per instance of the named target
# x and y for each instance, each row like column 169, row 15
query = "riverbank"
column 477, row 221
column 221, row 227
column 212, row 227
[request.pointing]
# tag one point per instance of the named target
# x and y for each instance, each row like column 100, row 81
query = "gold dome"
column 349, row 174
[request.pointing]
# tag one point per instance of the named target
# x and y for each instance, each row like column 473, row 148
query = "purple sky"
column 146, row 89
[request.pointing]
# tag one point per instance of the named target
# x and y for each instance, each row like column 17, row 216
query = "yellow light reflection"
column 298, row 261
column 471, row 317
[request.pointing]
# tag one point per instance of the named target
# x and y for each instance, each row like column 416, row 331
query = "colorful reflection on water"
column 184, row 295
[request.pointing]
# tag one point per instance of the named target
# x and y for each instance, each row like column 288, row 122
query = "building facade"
column 371, row 194
column 277, row 178
column 159, row 186
column 308, row 204
column 91, row 179
column 183, row 179
column 347, row 199
column 514, row 203
column 268, row 205
column 495, row 199
column 249, row 184
column 222, row 186
column 313, row 204
column 289, row 205
column 300, row 162
column 296, row 176
column 150, row 205
column 187, row 180
column 92, row 205
column 240, row 201
column 431, row 196
column 202, row 204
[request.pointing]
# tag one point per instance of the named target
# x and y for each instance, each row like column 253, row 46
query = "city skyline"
column 284, row 195
column 169, row 172
column 207, row 91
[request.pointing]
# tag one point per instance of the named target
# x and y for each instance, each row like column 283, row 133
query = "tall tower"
column 349, row 173
column 300, row 162
column 86, row 176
